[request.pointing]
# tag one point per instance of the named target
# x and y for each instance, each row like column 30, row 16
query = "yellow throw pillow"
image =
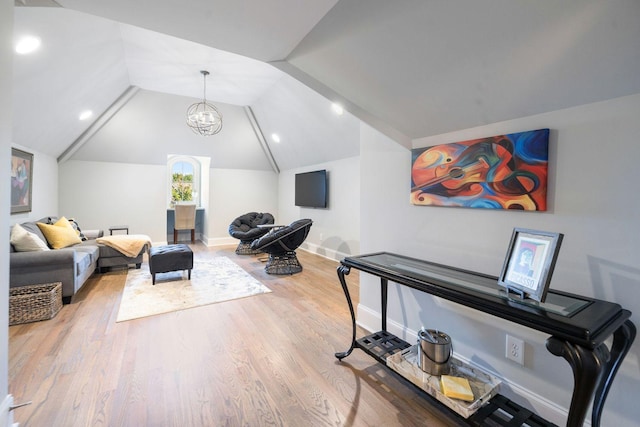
column 64, row 222
column 59, row 235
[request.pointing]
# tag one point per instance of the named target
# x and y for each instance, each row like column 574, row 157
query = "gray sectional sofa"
column 110, row 257
column 72, row 265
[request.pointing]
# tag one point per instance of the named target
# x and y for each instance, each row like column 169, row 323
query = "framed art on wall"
column 21, row 180
column 499, row 172
column 530, row 261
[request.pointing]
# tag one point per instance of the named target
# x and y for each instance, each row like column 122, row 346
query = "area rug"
column 212, row 281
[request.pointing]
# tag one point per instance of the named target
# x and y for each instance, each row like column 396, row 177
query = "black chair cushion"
column 245, row 227
column 285, row 239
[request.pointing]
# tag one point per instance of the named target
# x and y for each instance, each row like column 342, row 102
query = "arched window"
column 184, row 179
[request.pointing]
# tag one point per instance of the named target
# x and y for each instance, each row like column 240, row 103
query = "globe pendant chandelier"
column 204, row 118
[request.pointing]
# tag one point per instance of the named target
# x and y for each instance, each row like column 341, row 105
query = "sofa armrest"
column 92, row 234
column 29, row 268
column 42, row 258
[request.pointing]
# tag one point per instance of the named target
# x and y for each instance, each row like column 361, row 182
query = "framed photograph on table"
column 21, row 180
column 530, row 261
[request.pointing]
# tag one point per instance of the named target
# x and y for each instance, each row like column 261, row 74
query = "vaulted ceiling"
column 410, row 68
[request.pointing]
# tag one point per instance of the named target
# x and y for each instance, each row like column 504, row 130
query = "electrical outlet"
column 515, row 350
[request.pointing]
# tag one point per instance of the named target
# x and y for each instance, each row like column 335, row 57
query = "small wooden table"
column 118, row 228
column 272, row 227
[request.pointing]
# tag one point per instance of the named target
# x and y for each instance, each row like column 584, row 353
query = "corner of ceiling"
column 37, row 3
column 363, row 115
column 99, row 122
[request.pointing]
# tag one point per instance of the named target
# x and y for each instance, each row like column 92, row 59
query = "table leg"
column 593, row 370
column 342, row 271
column 622, row 339
column 383, row 301
column 587, row 366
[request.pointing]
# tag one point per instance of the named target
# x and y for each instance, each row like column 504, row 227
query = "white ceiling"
column 430, row 67
column 168, row 64
column 262, row 29
column 412, row 68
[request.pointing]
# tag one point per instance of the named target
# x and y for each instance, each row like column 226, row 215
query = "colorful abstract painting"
column 500, row 172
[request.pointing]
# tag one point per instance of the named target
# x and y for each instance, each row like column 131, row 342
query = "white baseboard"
column 309, row 247
column 219, row 241
column 370, row 320
column 208, row 241
column 323, row 252
column 6, row 415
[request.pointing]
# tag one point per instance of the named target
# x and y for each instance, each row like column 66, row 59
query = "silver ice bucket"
column 434, row 351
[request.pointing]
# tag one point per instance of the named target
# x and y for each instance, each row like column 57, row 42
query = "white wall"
column 6, row 73
column 100, row 194
column 593, row 173
column 335, row 232
column 235, row 192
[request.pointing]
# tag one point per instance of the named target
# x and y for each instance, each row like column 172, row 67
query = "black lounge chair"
column 281, row 245
column 245, row 228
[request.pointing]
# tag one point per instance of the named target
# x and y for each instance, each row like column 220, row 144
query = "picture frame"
column 21, row 181
column 530, row 261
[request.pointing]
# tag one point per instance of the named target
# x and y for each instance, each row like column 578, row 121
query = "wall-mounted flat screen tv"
column 311, row 189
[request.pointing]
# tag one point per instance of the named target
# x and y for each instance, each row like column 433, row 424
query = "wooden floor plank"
column 266, row 360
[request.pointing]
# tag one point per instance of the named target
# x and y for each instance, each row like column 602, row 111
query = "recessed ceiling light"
column 337, row 108
column 275, row 137
column 85, row 115
column 27, row 44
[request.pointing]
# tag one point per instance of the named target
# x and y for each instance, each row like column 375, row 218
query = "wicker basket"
column 32, row 303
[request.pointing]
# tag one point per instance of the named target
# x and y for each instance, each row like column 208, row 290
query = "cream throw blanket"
column 128, row 244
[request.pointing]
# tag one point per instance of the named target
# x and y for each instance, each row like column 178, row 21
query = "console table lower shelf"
column 483, row 385
column 489, row 408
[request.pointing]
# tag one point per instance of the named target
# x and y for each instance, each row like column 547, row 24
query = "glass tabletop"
column 454, row 278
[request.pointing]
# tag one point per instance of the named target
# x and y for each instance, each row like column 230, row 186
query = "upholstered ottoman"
column 163, row 259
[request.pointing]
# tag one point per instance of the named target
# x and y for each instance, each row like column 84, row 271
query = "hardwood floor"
column 265, row 360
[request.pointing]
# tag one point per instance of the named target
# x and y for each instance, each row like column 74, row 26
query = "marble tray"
column 483, row 385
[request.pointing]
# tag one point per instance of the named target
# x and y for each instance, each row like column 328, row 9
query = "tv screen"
column 311, row 189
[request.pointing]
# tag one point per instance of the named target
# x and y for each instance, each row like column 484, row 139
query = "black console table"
column 577, row 325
